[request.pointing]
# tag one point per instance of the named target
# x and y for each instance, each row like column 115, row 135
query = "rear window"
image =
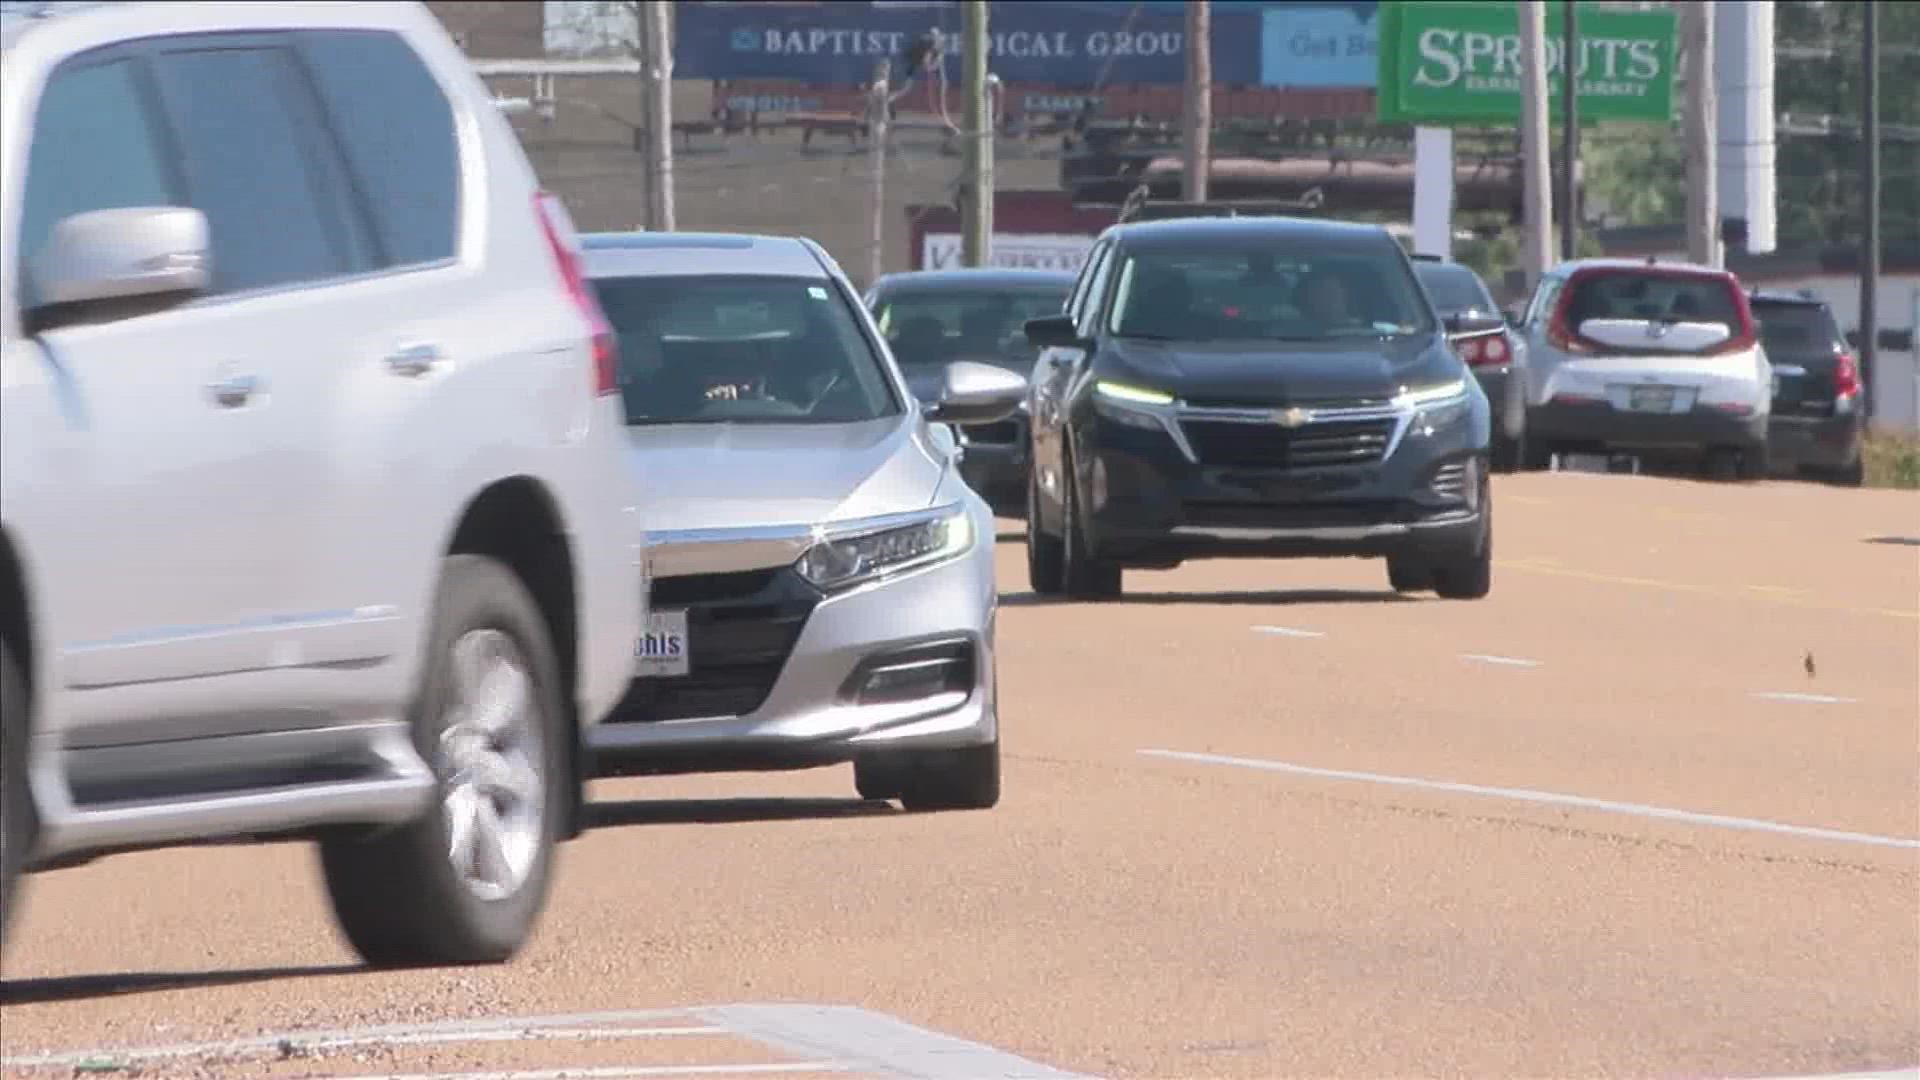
column 1455, row 289
column 742, row 349
column 1796, row 328
column 934, row 326
column 1654, row 297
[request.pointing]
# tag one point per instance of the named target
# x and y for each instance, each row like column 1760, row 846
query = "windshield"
column 711, row 350
column 1796, row 329
column 1216, row 294
column 935, row 326
column 1455, row 289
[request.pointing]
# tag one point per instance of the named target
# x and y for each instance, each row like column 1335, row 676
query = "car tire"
column 1536, row 455
column 964, row 778
column 1469, row 577
column 1086, row 577
column 400, row 895
column 16, row 799
column 1509, row 455
column 1756, row 463
column 1850, row 475
column 1046, row 555
column 1408, row 574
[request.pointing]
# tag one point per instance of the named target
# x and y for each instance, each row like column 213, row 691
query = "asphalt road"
column 1261, row 819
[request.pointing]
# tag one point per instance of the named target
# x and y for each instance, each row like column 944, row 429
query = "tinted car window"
column 247, row 168
column 93, row 149
column 1455, row 288
column 1262, row 293
column 934, row 326
column 396, row 130
column 1788, row 329
column 703, row 350
column 1656, row 297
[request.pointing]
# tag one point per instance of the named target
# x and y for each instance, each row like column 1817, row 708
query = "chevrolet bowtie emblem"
column 1292, row 418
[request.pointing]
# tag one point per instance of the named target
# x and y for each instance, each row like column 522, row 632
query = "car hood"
column 720, row 476
column 1285, row 372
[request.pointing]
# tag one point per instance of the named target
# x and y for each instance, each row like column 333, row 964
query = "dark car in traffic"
column 1819, row 413
column 932, row 318
column 1496, row 355
column 1254, row 386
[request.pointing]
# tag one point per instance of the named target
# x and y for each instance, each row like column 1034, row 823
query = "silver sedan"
column 822, row 578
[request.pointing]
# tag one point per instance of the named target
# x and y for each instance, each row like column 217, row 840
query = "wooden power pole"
column 1536, row 247
column 1703, row 182
column 878, row 105
column 656, row 43
column 976, row 206
column 1199, row 118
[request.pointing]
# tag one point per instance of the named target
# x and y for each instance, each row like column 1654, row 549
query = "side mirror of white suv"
column 129, row 253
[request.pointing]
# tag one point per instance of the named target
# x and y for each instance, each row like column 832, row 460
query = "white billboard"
column 1013, row 251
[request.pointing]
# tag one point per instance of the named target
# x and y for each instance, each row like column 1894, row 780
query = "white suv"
column 1657, row 360
column 315, row 505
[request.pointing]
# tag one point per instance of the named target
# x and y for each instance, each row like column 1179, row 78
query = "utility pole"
column 656, row 43
column 1536, row 248
column 1870, row 146
column 1569, row 132
column 1703, row 193
column 976, row 208
column 1199, row 134
column 878, row 105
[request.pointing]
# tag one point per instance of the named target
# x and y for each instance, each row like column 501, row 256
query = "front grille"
column 1204, row 402
column 1450, row 481
column 1270, row 446
column 1004, row 433
column 741, row 628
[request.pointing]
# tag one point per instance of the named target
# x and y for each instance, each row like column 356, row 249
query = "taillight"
column 1478, row 351
column 558, row 229
column 1846, row 376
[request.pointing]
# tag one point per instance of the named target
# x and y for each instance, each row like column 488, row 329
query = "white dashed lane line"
column 1499, row 661
column 1288, row 631
column 1546, row 798
column 1810, row 699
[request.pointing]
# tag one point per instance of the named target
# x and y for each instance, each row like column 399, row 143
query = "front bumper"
column 776, row 671
column 1599, row 426
column 1831, row 442
column 1192, row 488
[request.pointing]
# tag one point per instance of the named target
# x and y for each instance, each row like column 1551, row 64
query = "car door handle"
column 413, row 361
column 233, row 391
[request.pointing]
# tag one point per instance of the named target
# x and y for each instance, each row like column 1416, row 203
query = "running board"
column 244, row 786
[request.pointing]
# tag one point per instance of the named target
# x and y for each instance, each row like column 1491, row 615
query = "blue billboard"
column 1064, row 43
column 1319, row 46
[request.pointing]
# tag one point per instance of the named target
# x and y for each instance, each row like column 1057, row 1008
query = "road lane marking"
column 875, row 1042
column 615, row 1071
column 1890, row 1074
column 1548, row 798
column 831, row 1038
column 1540, row 566
column 1816, row 699
column 1507, row 661
column 1287, row 631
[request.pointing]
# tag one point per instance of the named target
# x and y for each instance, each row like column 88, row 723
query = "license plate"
column 1650, row 399
column 662, row 651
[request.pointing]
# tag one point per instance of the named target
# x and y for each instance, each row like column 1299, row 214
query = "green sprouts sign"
column 1459, row 63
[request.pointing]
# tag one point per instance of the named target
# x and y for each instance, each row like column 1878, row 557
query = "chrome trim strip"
column 683, row 552
column 1172, row 416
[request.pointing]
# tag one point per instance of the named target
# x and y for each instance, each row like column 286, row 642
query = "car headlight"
column 1435, row 406
column 848, row 555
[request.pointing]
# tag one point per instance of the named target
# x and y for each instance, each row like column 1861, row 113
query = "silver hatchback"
column 822, row 576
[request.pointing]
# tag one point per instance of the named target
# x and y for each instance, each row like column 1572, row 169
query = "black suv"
column 1819, row 412
column 1266, row 387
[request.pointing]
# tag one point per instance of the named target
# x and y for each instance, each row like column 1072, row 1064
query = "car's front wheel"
column 16, row 801
column 963, row 778
column 1086, row 577
column 466, row 882
column 1046, row 555
column 1469, row 576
